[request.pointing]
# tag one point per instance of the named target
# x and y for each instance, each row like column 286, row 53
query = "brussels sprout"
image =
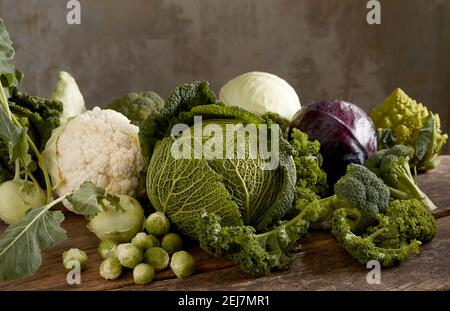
column 157, row 224
column 182, row 264
column 129, row 255
column 157, row 257
column 110, row 268
column 143, row 273
column 107, row 248
column 72, row 256
column 143, row 241
column 155, row 240
column 172, row 243
column 119, row 223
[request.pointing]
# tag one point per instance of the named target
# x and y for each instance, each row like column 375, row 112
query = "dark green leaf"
column 22, row 243
column 14, row 138
column 385, row 138
column 9, row 75
column 426, row 140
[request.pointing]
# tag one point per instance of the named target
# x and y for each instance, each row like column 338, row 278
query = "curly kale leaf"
column 257, row 254
column 364, row 247
column 311, row 179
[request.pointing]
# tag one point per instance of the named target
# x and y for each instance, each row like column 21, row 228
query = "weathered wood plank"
column 321, row 263
column 436, row 184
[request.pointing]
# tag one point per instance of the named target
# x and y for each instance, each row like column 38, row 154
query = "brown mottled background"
column 324, row 48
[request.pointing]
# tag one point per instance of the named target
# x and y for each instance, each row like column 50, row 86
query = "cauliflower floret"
column 100, row 146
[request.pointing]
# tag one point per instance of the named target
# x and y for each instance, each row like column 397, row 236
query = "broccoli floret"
column 392, row 166
column 363, row 248
column 362, row 190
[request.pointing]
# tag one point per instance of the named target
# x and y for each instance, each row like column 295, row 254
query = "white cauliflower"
column 100, row 146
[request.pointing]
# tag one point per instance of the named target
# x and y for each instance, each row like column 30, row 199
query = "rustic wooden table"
column 320, row 264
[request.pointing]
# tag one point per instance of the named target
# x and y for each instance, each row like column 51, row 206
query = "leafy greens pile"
column 257, row 217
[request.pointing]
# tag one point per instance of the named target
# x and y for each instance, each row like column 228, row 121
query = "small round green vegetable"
column 156, row 242
column 157, row 257
column 157, row 224
column 107, row 248
column 129, row 255
column 72, row 256
column 143, row 273
column 143, row 241
column 172, row 243
column 182, row 264
column 110, row 268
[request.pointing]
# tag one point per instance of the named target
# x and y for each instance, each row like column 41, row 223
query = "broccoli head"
column 392, row 166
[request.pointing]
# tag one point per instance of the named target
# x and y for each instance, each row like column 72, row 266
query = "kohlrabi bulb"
column 143, row 241
column 129, row 255
column 72, row 257
column 110, row 268
column 182, row 264
column 172, row 243
column 18, row 197
column 119, row 223
column 107, row 248
column 157, row 257
column 157, row 224
column 143, row 273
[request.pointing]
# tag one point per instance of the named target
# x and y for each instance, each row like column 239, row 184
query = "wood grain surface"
column 321, row 264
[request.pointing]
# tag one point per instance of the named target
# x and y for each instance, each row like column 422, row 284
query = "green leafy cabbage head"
column 239, row 189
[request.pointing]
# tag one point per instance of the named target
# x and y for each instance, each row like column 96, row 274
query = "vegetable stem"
column 41, row 163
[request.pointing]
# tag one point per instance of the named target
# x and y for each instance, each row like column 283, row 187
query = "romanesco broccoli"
column 412, row 125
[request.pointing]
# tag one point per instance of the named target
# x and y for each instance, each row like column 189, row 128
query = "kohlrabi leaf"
column 86, row 200
column 9, row 75
column 21, row 244
column 157, row 125
column 15, row 139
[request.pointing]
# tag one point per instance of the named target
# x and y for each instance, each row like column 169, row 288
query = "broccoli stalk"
column 392, row 166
